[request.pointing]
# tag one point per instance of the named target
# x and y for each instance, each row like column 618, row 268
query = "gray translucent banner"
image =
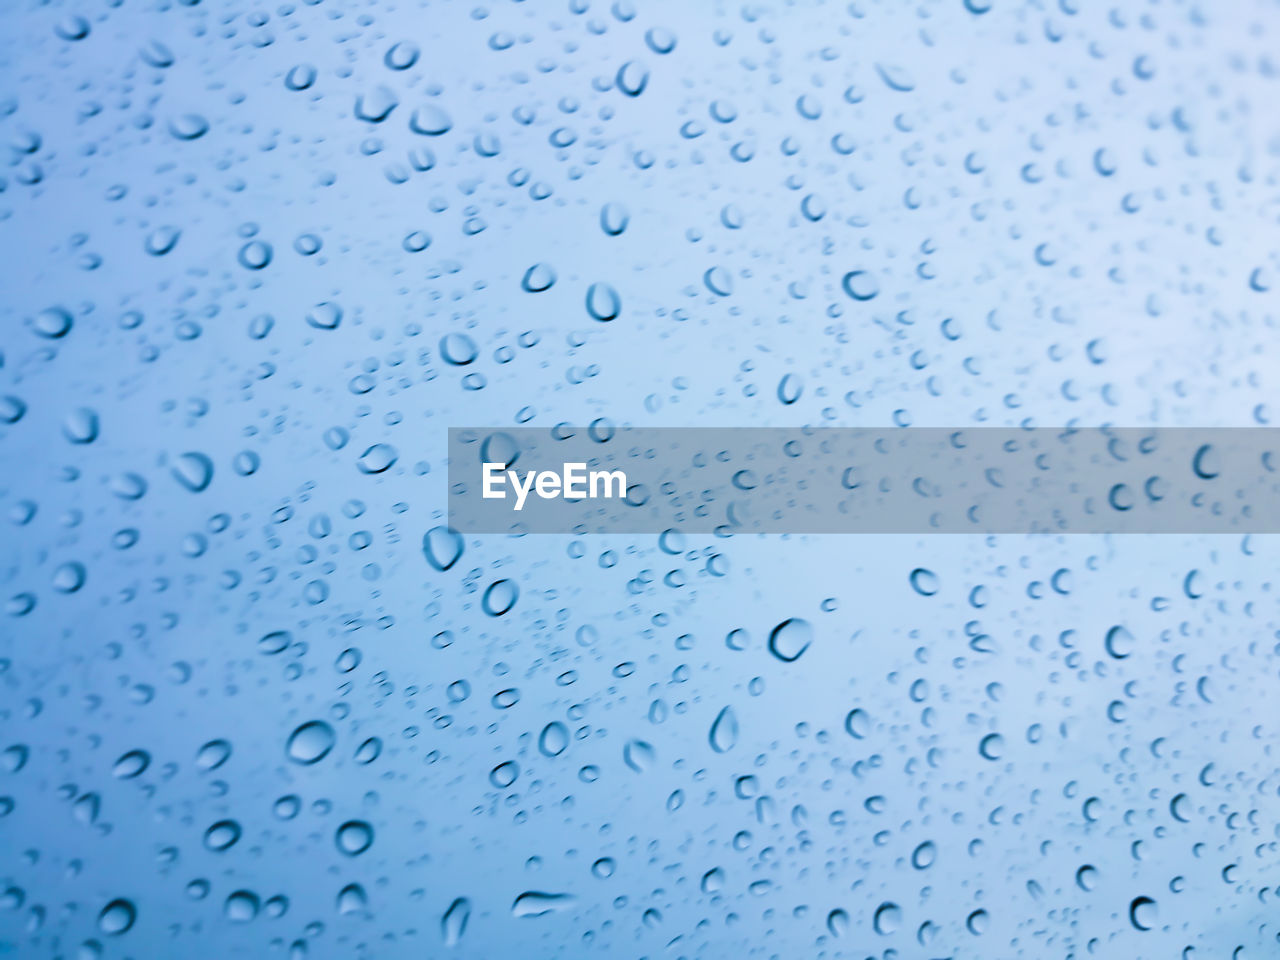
column 915, row 480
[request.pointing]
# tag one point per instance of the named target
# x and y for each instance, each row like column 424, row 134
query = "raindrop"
column 310, row 742
column 131, row 764
column 632, row 78
column 500, row 597
column 860, row 285
column 354, row 837
column 554, row 739
column 81, row 426
column 991, row 746
column 458, row 349
column 603, row 302
column 430, row 121
column 1119, row 642
column 241, row 906
column 538, row 278
column 454, row 922
column 117, row 917
column 659, row 40
column 222, row 836
column 379, row 458
column 194, row 471
column 614, row 219
column 533, row 903
column 442, row 546
column 401, row 56
column 638, row 755
column 504, row 774
column 52, row 324
column 924, row 582
column 1142, row 913
column 376, row 105
column 718, row 281
column 789, row 639
column 887, row 918
column 325, row 316
column 213, row 755
column 352, row 899
column 724, row 731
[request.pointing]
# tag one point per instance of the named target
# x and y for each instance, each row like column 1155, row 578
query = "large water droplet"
column 354, row 837
column 533, row 903
column 193, row 470
column 887, row 918
column 724, row 731
column 454, row 922
column 310, row 742
column 442, row 546
column 117, row 917
column 430, row 120
column 789, row 639
column 603, row 302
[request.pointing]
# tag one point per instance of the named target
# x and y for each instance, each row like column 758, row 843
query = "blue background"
column 256, row 258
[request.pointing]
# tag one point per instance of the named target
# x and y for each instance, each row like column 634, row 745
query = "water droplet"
column 458, row 349
column 212, row 755
column 117, row 917
column 454, row 922
column 554, row 739
column 188, row 126
column 861, row 285
column 379, row 458
column 790, row 387
column 310, row 742
column 537, row 278
column 430, row 120
column 162, row 240
column 1119, row 642
column 533, row 903
column 614, row 219
column 838, row 923
column 924, row 582
column 241, row 906
column 376, row 105
column 639, row 755
column 660, row 40
column 789, row 639
column 603, row 302
column 131, row 764
column 632, row 78
column 11, row 409
column 222, row 835
column 1142, row 913
column 724, row 731
column 887, row 918
column 401, row 55
column 442, row 546
column 254, row 255
column 354, row 837
column 69, row 577
column 500, row 597
column 81, row 426
column 352, row 899
column 719, row 281
column 300, row 77
column 52, row 324
column 923, row 855
column 194, row 471
column 325, row 316
column 991, row 746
